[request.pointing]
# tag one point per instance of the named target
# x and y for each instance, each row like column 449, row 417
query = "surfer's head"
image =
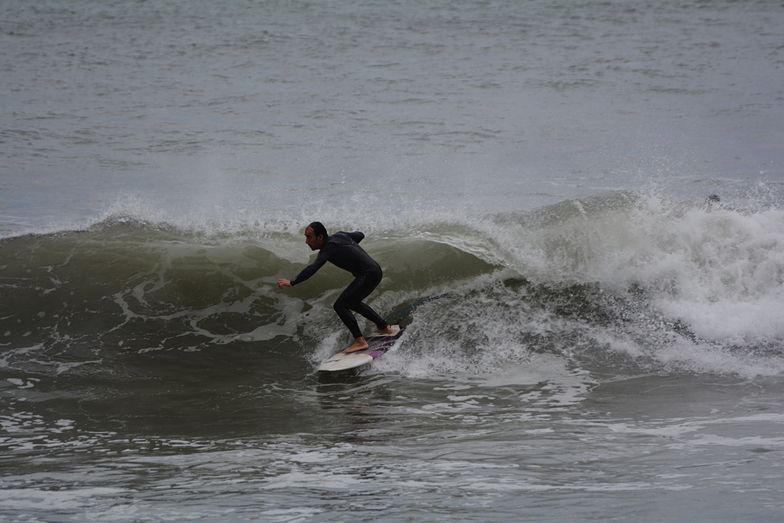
column 315, row 235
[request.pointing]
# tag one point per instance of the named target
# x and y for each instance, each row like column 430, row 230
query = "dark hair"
column 319, row 229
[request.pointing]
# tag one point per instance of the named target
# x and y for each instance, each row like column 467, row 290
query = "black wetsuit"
column 342, row 250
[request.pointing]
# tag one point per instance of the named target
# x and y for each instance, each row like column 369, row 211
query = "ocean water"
column 607, row 341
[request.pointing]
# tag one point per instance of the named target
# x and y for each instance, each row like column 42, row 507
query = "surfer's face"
column 315, row 243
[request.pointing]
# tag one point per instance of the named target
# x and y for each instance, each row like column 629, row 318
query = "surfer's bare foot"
column 387, row 331
column 359, row 344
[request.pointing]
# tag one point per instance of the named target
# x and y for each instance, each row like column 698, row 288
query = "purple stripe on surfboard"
column 380, row 344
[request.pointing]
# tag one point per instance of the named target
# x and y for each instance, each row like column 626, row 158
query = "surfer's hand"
column 283, row 283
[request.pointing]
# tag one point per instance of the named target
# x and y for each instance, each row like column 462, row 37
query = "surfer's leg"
column 368, row 284
column 345, row 303
column 348, row 319
column 369, row 313
column 351, row 299
column 360, row 343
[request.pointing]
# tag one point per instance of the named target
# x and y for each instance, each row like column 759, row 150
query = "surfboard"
column 378, row 345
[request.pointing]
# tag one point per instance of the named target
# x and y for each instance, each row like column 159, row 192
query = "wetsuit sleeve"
column 356, row 236
column 311, row 269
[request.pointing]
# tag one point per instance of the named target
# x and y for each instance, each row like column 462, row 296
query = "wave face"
column 615, row 284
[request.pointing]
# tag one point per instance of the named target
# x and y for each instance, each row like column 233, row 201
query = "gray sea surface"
column 608, row 342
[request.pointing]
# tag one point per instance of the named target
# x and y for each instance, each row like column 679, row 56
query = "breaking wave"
column 614, row 284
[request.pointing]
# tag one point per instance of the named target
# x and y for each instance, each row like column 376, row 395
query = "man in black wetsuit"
column 343, row 250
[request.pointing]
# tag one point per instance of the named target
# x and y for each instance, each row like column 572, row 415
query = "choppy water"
column 611, row 346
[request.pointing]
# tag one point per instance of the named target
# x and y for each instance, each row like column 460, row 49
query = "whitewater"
column 577, row 207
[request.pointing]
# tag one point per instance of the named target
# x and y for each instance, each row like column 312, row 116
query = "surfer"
column 342, row 250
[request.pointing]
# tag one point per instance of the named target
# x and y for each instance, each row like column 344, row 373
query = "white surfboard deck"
column 378, row 345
